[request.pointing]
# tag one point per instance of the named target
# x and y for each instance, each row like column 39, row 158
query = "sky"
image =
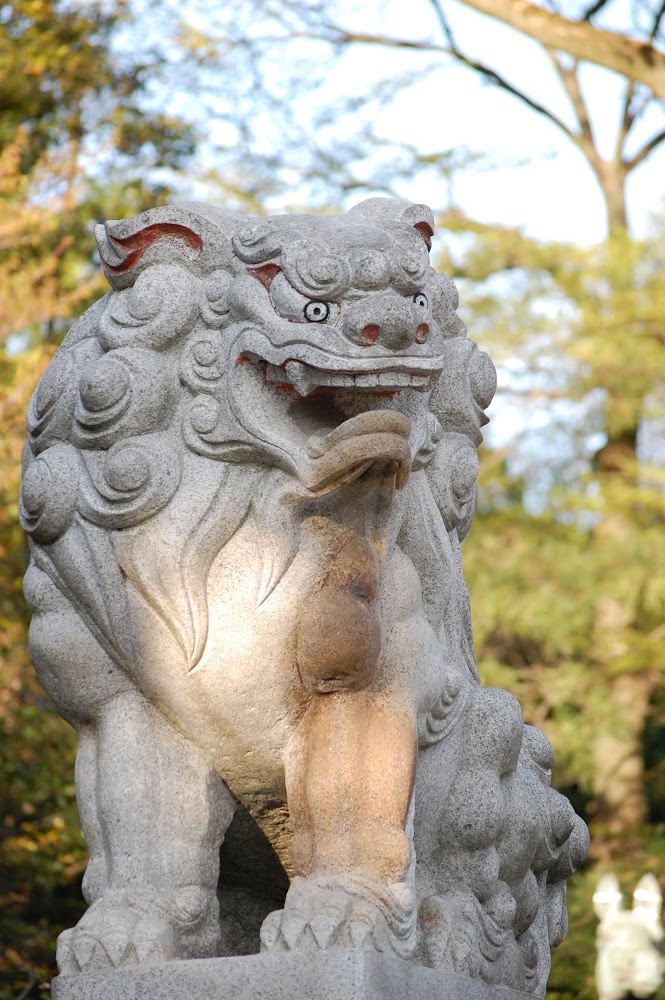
column 539, row 180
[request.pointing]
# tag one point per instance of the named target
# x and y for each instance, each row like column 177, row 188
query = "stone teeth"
column 301, row 377
column 305, row 379
column 334, row 378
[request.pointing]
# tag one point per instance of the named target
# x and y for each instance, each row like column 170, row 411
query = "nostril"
column 422, row 333
column 370, row 333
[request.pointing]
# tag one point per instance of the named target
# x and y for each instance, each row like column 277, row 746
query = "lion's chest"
column 245, row 697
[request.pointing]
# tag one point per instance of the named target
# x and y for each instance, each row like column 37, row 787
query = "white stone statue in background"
column 249, row 471
column 629, row 958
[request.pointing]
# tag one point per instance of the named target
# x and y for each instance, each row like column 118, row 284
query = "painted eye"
column 295, row 307
column 421, row 300
column 316, row 311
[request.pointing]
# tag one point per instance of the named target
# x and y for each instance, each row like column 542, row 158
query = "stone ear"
column 647, row 898
column 120, row 253
column 425, row 230
column 171, row 234
column 607, row 898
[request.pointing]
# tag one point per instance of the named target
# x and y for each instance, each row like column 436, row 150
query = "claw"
column 270, row 930
column 115, row 944
column 67, row 964
column 381, row 936
column 292, row 927
column 403, row 895
column 359, row 932
column 154, row 941
column 323, row 927
column 84, row 947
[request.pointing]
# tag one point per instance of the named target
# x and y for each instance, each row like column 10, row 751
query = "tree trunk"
column 630, row 57
column 611, row 175
column 619, row 806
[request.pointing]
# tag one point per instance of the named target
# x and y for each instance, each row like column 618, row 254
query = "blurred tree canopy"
column 566, row 560
column 77, row 143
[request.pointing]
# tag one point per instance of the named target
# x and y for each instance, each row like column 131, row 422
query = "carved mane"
column 126, row 419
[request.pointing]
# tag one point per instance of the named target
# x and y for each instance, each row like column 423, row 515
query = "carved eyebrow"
column 265, row 274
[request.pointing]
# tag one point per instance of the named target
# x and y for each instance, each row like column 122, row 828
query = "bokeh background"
column 537, row 134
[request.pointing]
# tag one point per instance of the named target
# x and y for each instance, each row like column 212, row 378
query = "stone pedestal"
column 325, row 976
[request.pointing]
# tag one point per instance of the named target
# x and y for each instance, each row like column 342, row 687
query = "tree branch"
column 644, row 152
column 335, row 35
column 656, row 21
column 444, row 24
column 584, row 138
column 338, row 36
column 631, row 110
column 27, row 990
column 628, row 116
column 636, row 60
column 594, row 9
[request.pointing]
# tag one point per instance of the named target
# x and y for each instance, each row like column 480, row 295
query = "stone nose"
column 388, row 320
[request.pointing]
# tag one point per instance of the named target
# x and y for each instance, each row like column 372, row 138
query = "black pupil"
column 317, row 312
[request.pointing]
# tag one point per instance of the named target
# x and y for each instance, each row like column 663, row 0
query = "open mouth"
column 332, row 424
column 315, row 400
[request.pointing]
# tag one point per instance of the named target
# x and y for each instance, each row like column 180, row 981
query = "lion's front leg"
column 349, row 778
column 154, row 813
column 349, row 769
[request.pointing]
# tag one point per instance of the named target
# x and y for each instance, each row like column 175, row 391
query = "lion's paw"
column 320, row 915
column 114, row 936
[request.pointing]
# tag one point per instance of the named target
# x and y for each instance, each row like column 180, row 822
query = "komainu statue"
column 250, row 467
column 630, row 963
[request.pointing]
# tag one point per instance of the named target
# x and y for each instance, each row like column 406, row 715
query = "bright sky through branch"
column 540, row 181
column 530, row 175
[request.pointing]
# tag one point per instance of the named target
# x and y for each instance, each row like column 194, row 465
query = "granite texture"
column 331, row 975
column 249, row 471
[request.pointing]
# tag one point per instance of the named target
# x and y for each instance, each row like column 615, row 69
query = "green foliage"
column 42, row 853
column 63, row 80
column 77, row 143
column 41, row 848
column 569, row 602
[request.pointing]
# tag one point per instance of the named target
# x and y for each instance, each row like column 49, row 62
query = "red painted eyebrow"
column 265, row 273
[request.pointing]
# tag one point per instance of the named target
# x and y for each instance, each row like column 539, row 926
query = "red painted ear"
column 134, row 246
column 426, row 232
column 265, row 274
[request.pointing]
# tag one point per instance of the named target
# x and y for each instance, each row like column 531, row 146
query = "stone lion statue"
column 249, row 470
column 629, row 942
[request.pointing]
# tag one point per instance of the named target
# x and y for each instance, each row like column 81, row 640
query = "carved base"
column 342, row 975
